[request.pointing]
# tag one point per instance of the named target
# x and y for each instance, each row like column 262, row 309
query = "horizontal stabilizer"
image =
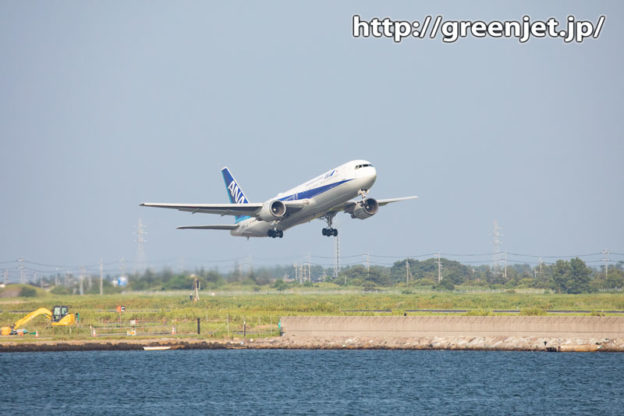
column 209, row 227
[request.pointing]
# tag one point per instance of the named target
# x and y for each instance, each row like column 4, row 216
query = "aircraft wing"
column 209, row 227
column 383, row 202
column 219, row 209
column 350, row 205
column 250, row 209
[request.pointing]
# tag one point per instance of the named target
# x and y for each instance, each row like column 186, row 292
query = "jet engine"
column 272, row 210
column 365, row 209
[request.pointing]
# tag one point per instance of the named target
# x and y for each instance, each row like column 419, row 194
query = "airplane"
column 322, row 197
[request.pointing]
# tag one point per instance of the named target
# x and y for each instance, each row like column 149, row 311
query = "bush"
column 479, row 312
column 280, row 284
column 532, row 312
column 61, row 290
column 28, row 292
column 446, row 284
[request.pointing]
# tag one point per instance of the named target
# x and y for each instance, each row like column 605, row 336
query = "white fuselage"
column 323, row 192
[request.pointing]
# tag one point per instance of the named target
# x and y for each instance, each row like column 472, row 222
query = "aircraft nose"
column 372, row 176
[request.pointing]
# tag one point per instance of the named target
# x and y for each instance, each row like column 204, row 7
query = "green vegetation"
column 226, row 313
column 563, row 276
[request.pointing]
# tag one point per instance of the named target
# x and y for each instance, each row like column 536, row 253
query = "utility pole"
column 308, row 274
column 6, row 277
column 439, row 269
column 605, row 253
column 407, row 271
column 337, row 265
column 82, row 281
column 505, row 272
column 497, row 243
column 367, row 266
column 195, row 290
column 296, row 267
column 101, row 277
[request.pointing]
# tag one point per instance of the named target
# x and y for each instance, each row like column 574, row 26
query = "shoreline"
column 470, row 343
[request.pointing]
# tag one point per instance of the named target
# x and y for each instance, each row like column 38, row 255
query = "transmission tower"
column 21, row 270
column 140, row 265
column 122, row 266
column 497, row 242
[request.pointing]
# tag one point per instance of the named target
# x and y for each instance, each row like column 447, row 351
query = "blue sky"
column 105, row 105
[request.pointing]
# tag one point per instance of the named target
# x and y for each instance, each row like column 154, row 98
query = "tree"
column 580, row 277
column 571, row 277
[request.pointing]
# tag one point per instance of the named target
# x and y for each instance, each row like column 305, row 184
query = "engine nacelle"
column 365, row 209
column 272, row 210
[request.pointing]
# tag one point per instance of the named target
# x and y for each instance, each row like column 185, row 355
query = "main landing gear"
column 275, row 233
column 329, row 231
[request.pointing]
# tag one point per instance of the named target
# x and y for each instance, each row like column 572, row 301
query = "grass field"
column 226, row 313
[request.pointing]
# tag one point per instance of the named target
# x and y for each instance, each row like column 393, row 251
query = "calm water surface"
column 223, row 382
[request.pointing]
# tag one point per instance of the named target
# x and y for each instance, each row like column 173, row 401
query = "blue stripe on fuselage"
column 310, row 193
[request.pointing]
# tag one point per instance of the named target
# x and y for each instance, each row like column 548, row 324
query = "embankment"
column 506, row 333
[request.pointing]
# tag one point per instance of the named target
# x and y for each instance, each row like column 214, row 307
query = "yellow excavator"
column 59, row 316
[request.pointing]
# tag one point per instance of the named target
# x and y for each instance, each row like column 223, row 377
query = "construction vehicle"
column 59, row 316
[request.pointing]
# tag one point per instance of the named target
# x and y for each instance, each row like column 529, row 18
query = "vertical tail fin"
column 235, row 193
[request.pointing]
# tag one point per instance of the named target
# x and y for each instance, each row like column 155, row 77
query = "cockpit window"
column 363, row 165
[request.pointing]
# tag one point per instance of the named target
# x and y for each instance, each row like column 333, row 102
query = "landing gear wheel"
column 275, row 233
column 329, row 231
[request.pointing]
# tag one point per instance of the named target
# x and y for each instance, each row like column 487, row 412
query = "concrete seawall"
column 551, row 333
column 411, row 326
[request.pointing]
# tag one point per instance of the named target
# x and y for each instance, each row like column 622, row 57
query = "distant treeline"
column 564, row 276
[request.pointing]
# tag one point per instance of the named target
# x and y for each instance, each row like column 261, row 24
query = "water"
column 274, row 382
